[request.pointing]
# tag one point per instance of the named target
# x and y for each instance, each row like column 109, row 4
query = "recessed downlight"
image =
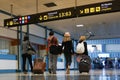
column 80, row 25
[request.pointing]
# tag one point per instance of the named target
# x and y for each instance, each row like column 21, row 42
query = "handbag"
column 55, row 49
column 30, row 49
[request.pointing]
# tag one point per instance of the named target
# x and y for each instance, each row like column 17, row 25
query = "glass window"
column 94, row 48
column 113, row 47
column 4, row 46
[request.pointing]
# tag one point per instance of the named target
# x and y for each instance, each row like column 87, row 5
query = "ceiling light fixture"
column 80, row 25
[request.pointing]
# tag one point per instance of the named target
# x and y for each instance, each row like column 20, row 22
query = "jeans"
column 29, row 57
column 53, row 63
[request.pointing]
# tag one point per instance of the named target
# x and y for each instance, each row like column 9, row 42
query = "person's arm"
column 72, row 48
column 62, row 45
column 86, row 51
column 31, row 46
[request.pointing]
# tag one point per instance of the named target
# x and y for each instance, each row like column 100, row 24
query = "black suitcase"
column 85, row 64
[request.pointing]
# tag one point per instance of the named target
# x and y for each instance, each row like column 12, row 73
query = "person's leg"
column 66, row 60
column 54, row 66
column 24, row 62
column 30, row 61
column 68, row 63
column 69, row 60
column 50, row 62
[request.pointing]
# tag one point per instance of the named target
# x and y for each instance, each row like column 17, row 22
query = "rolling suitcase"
column 85, row 64
column 39, row 66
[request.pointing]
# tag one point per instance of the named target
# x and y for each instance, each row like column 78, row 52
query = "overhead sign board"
column 79, row 11
column 41, row 17
column 98, row 8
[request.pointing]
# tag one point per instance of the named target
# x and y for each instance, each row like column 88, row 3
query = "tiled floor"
column 111, row 74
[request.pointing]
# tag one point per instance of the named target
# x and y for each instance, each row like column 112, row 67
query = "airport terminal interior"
column 97, row 20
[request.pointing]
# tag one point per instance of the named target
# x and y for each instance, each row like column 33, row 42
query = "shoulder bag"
column 30, row 49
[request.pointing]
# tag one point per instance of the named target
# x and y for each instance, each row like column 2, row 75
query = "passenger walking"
column 52, row 40
column 68, row 50
column 85, row 60
column 26, row 55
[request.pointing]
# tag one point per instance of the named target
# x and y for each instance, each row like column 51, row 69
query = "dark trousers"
column 29, row 57
column 68, row 58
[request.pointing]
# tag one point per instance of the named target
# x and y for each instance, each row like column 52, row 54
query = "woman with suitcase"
column 26, row 54
column 85, row 60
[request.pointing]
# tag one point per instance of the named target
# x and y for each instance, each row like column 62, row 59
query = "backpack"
column 80, row 49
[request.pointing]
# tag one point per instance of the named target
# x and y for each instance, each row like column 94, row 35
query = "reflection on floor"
column 74, row 75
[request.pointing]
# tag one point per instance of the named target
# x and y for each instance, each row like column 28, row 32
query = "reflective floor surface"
column 74, row 75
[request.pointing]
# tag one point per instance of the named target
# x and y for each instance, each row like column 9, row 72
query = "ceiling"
column 100, row 26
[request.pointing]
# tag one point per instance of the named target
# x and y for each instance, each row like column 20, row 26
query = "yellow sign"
column 86, row 10
column 45, row 17
column 40, row 18
column 65, row 14
column 81, row 11
column 98, row 9
column 55, row 15
column 11, row 22
column 92, row 10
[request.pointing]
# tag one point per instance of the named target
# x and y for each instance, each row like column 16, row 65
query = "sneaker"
column 25, row 72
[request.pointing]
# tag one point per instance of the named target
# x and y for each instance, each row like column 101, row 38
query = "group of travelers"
column 100, row 63
column 67, row 49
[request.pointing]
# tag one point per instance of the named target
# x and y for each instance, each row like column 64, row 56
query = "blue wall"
column 7, row 57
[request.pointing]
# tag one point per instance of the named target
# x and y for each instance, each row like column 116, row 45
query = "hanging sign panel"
column 98, row 8
column 40, row 17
